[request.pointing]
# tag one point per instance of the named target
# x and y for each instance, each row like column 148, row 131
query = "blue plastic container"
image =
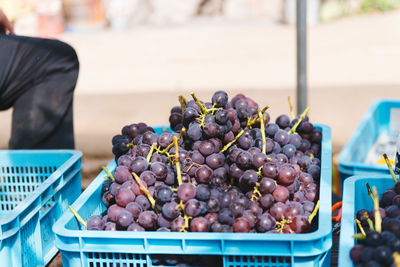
column 355, row 197
column 36, row 188
column 80, row 247
column 376, row 121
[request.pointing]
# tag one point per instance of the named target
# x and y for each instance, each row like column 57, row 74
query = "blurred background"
column 137, row 56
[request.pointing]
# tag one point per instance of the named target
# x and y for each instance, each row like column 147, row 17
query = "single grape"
column 199, row 224
column 192, row 207
column 134, row 227
column 148, row 219
column 241, row 225
column 95, row 222
column 113, row 212
column 143, row 202
column 186, row 191
column 124, row 196
column 265, row 223
column 215, row 161
column 164, row 194
column 124, row 219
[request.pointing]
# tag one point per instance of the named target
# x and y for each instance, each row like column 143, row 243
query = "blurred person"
column 37, row 78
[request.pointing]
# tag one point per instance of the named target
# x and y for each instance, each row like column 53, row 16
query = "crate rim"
column 357, row 132
column 326, row 158
column 75, row 155
column 346, row 241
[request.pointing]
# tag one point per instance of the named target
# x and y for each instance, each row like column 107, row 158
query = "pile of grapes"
column 379, row 230
column 225, row 168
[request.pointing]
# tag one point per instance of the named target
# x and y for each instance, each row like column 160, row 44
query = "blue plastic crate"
column 376, row 121
column 36, row 188
column 355, row 197
column 80, row 247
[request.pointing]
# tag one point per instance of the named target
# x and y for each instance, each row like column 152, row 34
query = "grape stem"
column 302, row 116
column 256, row 193
column 151, row 152
column 396, row 258
column 369, row 191
column 178, row 166
column 262, row 129
column 281, row 224
column 369, row 221
column 231, row 142
column 250, row 121
column 77, row 216
column 360, row 226
column 390, row 167
column 186, row 226
column 312, row 215
column 145, row 190
column 359, row 237
column 291, row 108
column 378, row 218
column 202, row 108
column 183, row 103
column 109, row 174
column 165, row 150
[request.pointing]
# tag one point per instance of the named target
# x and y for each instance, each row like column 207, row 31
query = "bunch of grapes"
column 225, row 168
column 379, row 230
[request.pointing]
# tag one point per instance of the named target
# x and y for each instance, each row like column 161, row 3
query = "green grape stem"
column 183, row 102
column 151, row 152
column 291, row 108
column 359, row 237
column 186, row 226
column 109, row 174
column 145, row 190
column 360, row 226
column 369, row 221
column 378, row 218
column 314, row 213
column 262, row 129
column 369, row 191
column 201, row 106
column 302, row 116
column 77, row 216
column 178, row 166
column 390, row 167
column 231, row 142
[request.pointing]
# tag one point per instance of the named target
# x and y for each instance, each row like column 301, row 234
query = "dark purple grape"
column 244, row 160
column 148, row 177
column 113, row 212
column 259, row 159
column 177, row 224
column 211, row 217
column 186, row 191
column 281, row 137
column 270, row 170
column 277, row 148
column 124, row 196
column 235, row 172
column 192, row 207
column 220, row 99
column 196, row 157
column 170, row 210
column 148, row 219
column 134, row 227
column 125, row 160
column 213, row 204
column 110, row 226
column 289, row 150
column 300, row 224
column 225, row 216
column 278, row 210
column 139, row 164
column 122, row 174
column 237, row 209
column 163, row 222
column 199, row 224
column 265, row 223
column 215, row 161
column 283, row 121
column 266, row 201
column 164, row 194
column 189, row 115
column 134, row 208
column 245, row 140
column 355, row 254
column 160, row 170
column 315, row 171
column 202, row 192
column 206, row 147
column 305, row 145
column 143, row 202
column 271, row 129
column 212, row 129
column 286, row 175
column 241, row 225
column 295, row 140
column 195, row 132
column 248, row 180
column 124, row 219
column 95, row 222
column 281, row 158
column 267, row 185
column 221, row 116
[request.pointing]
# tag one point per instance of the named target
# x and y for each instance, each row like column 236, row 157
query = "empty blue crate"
column 80, row 247
column 36, row 186
column 375, row 135
column 355, row 197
